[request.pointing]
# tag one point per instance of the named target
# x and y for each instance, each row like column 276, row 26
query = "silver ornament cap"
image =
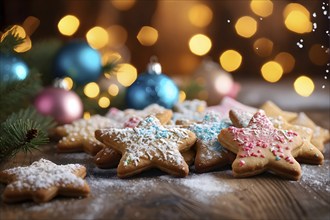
column 153, row 66
column 60, row 83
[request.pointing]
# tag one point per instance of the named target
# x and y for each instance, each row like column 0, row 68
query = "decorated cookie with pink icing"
column 210, row 154
column 149, row 145
column 261, row 147
column 42, row 181
column 308, row 153
column 228, row 104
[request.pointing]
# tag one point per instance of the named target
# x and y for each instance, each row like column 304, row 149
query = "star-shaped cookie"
column 272, row 110
column 108, row 158
column 320, row 135
column 308, row 152
column 210, row 154
column 149, row 145
column 43, row 180
column 227, row 104
column 79, row 136
column 260, row 147
column 164, row 115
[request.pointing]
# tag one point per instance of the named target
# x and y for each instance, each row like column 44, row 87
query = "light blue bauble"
column 152, row 87
column 12, row 68
column 79, row 61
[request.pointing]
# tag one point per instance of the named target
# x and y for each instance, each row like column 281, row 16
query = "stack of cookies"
column 191, row 137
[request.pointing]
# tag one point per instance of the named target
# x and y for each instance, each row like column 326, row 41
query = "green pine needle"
column 10, row 41
column 16, row 95
column 23, row 131
column 110, row 67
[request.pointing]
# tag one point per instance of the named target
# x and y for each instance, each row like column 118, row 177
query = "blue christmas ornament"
column 12, row 68
column 152, row 87
column 78, row 61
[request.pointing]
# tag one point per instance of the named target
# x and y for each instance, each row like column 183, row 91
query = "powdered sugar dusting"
column 44, row 174
column 203, row 187
column 315, row 178
column 148, row 140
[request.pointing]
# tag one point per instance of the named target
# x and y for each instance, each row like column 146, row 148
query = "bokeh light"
column 182, row 96
column 123, row 5
column 126, row 74
column 286, row 60
column 223, row 84
column 113, row 90
column 304, row 86
column 263, row 47
column 246, row 26
column 230, row 60
column 104, row 102
column 97, row 37
column 297, row 18
column 200, row 44
column 25, row 46
column 200, row 15
column 318, row 54
column 91, row 90
column 262, row 8
column 87, row 115
column 68, row 25
column 272, row 71
column 68, row 82
column 147, row 36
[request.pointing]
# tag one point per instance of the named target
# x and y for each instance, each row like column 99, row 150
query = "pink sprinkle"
column 254, row 154
column 242, row 156
column 241, row 163
column 259, row 151
column 261, row 155
column 291, row 162
column 287, row 148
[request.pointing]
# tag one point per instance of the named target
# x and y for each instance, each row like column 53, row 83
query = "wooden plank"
column 155, row 195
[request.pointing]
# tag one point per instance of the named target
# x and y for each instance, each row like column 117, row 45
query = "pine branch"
column 10, row 41
column 110, row 67
column 23, row 131
column 18, row 94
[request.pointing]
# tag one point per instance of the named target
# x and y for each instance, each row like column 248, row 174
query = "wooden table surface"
column 155, row 195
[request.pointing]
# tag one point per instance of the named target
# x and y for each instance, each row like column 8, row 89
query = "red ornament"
column 64, row 106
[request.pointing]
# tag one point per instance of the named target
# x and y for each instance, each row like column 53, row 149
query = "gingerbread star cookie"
column 108, row 158
column 320, row 135
column 149, row 145
column 42, row 181
column 79, row 136
column 273, row 110
column 227, row 104
column 308, row 152
column 189, row 111
column 210, row 154
column 260, row 147
column 163, row 114
column 188, row 106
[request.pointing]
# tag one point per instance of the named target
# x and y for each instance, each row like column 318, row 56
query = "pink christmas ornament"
column 64, row 106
